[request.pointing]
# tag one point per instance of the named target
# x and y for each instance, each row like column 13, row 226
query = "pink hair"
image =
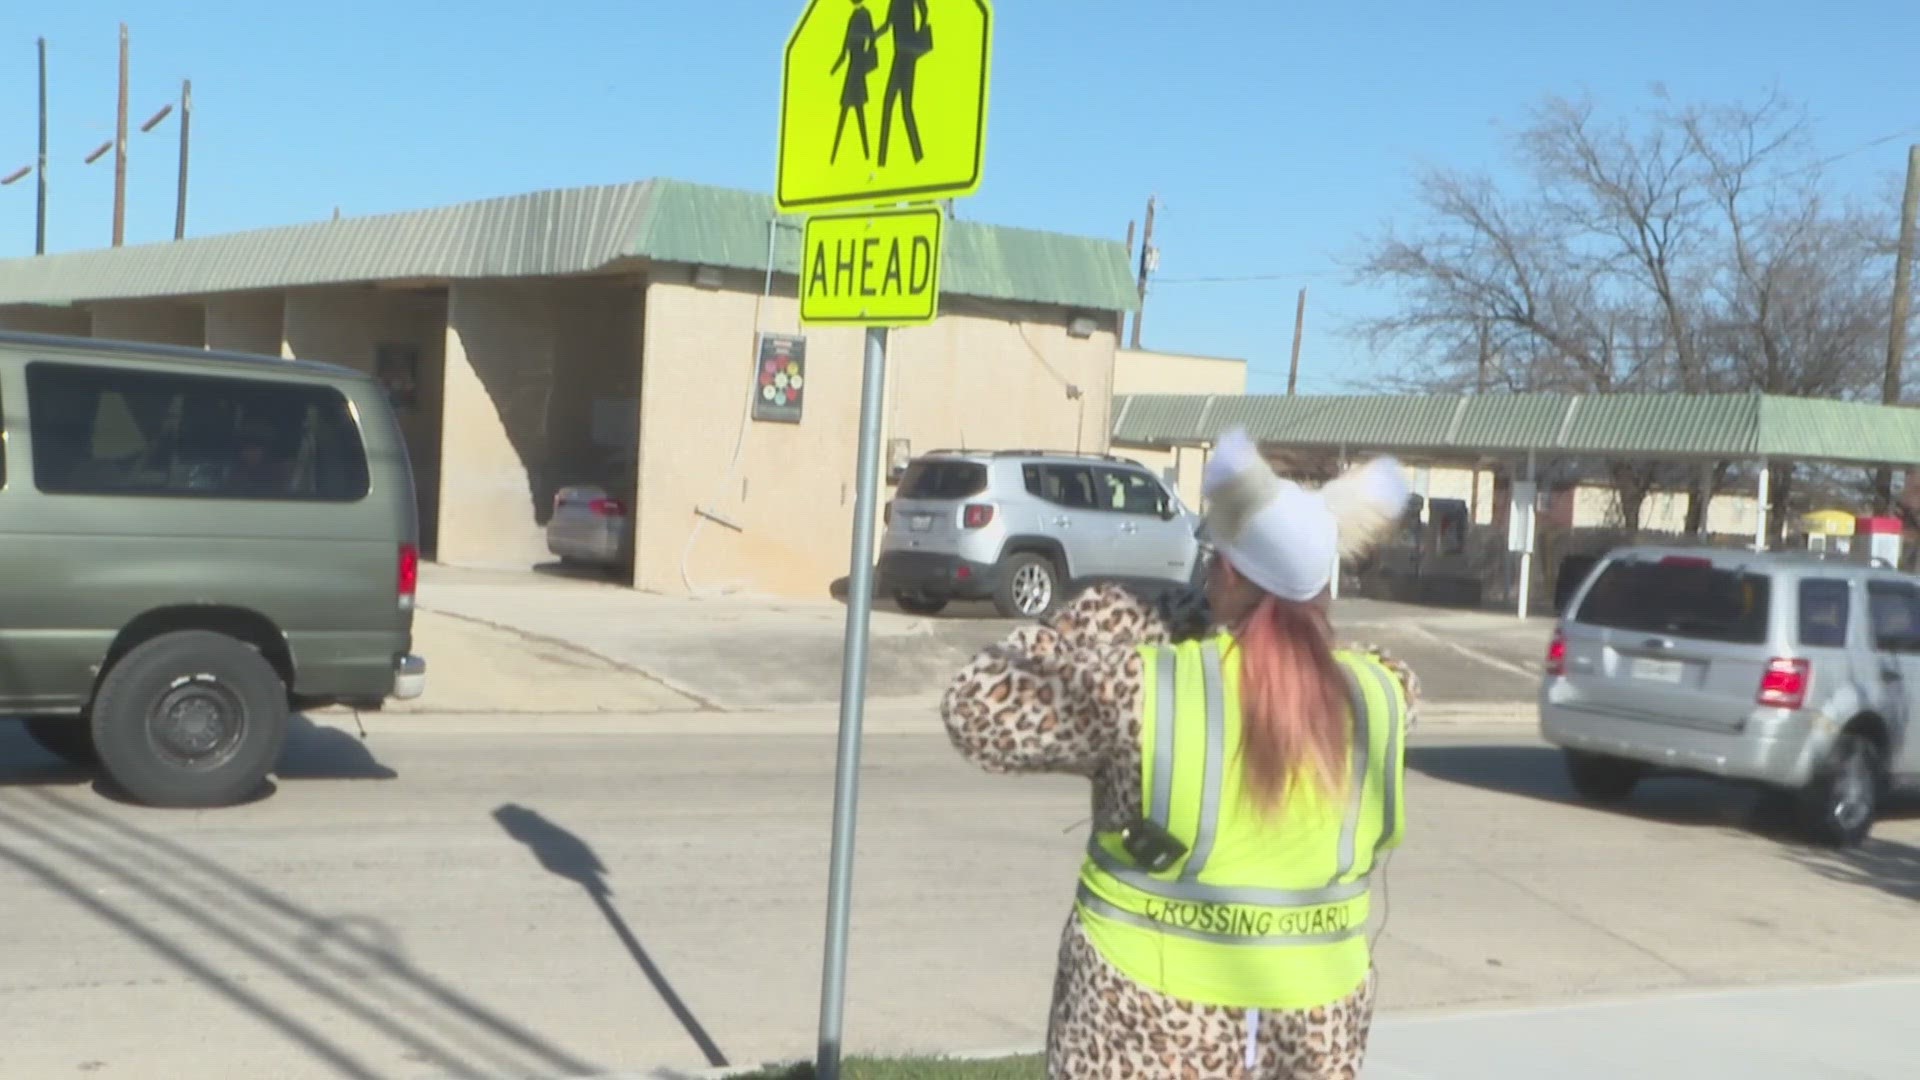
column 1293, row 701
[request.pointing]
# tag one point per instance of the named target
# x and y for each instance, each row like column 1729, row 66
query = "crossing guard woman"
column 1245, row 776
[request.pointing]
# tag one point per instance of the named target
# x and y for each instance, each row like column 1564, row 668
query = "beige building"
column 611, row 335
column 1142, row 371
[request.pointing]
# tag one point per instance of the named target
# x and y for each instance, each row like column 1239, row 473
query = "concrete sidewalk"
column 1860, row 1031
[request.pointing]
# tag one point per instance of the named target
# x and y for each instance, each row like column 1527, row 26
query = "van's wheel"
column 1600, row 779
column 1838, row 805
column 65, row 737
column 191, row 718
column 920, row 603
column 1029, row 588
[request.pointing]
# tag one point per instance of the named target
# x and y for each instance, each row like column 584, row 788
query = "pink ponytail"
column 1293, row 702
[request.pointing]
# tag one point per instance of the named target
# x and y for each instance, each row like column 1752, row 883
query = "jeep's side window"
column 1824, row 608
column 1131, row 492
column 115, row 431
column 1895, row 611
column 1063, row 485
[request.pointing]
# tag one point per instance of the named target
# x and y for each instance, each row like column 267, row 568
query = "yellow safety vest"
column 1253, row 915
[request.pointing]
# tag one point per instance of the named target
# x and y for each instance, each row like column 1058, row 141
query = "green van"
column 194, row 545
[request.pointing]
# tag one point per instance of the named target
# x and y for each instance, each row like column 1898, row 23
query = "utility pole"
column 1299, row 323
column 1902, row 297
column 1149, row 258
column 40, row 215
column 120, row 150
column 186, row 122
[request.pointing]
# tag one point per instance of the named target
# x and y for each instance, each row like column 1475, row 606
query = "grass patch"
column 1015, row 1068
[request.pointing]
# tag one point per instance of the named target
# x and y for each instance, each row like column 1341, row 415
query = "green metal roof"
column 552, row 233
column 1669, row 426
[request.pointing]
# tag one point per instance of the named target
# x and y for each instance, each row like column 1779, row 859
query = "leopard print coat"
column 1063, row 696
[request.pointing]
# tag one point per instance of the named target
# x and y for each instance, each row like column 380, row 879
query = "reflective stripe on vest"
column 1308, row 934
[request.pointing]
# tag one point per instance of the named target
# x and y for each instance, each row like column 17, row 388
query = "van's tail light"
column 978, row 515
column 409, row 577
column 1784, row 686
column 607, row 507
column 1557, row 654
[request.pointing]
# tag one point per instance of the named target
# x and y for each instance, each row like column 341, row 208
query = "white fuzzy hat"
column 1285, row 538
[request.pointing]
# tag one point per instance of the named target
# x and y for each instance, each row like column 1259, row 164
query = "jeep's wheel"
column 191, row 718
column 65, row 737
column 1838, row 805
column 1029, row 588
column 919, row 603
column 1600, row 779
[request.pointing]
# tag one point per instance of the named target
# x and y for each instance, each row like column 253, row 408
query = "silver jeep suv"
column 1796, row 671
column 1023, row 527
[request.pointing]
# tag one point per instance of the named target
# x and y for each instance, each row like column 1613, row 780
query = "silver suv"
column 1798, row 672
column 1022, row 527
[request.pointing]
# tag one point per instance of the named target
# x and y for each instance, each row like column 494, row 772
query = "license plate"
column 1662, row 671
column 922, row 522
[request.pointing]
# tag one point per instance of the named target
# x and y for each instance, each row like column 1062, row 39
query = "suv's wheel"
column 65, row 737
column 919, row 603
column 191, row 718
column 1838, row 805
column 1029, row 587
column 1600, row 779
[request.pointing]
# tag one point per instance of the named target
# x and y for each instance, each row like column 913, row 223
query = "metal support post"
column 853, row 692
column 1760, row 507
column 1526, row 550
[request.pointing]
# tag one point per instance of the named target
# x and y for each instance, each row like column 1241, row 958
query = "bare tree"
column 1681, row 249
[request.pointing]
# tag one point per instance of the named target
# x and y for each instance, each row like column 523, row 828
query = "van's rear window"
column 943, row 480
column 1682, row 597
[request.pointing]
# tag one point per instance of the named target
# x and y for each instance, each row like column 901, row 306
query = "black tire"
column 919, row 603
column 65, row 737
column 190, row 719
column 1600, row 779
column 1838, row 806
column 1029, row 587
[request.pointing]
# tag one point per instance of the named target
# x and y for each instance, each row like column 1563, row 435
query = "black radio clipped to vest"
column 1151, row 847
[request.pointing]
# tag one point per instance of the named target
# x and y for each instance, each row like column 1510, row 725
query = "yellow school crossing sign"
column 884, row 101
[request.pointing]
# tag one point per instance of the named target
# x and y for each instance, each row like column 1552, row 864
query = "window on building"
column 117, row 431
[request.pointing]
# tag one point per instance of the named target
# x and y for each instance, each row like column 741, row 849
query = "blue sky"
column 1275, row 136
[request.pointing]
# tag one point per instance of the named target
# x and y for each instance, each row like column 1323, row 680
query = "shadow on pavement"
column 566, row 855
column 188, row 909
column 1539, row 772
column 1887, row 865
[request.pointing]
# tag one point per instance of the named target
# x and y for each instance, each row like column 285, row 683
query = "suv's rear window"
column 1684, row 597
column 943, row 480
column 1824, row 608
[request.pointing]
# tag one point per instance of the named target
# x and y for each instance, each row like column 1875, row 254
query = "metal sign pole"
column 853, row 693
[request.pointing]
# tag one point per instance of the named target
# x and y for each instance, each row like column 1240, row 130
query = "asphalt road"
column 538, row 898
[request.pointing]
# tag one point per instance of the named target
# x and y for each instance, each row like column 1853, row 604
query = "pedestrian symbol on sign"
column 836, row 150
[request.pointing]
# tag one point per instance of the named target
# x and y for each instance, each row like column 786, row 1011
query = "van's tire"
column 65, row 737
column 1029, row 587
column 1838, row 806
column 919, row 603
column 190, row 719
column 1597, row 778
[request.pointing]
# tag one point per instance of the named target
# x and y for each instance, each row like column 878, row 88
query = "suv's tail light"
column 408, row 582
column 978, row 515
column 1557, row 654
column 607, row 507
column 1784, row 686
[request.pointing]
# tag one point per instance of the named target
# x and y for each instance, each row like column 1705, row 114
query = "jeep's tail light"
column 1784, row 686
column 607, row 507
column 978, row 515
column 409, row 576
column 1557, row 654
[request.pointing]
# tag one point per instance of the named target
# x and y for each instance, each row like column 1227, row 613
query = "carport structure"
column 1677, row 428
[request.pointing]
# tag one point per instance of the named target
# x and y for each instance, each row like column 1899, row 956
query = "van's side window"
column 1895, row 612
column 115, row 431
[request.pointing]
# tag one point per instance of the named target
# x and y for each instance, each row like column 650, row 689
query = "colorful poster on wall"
column 780, row 378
